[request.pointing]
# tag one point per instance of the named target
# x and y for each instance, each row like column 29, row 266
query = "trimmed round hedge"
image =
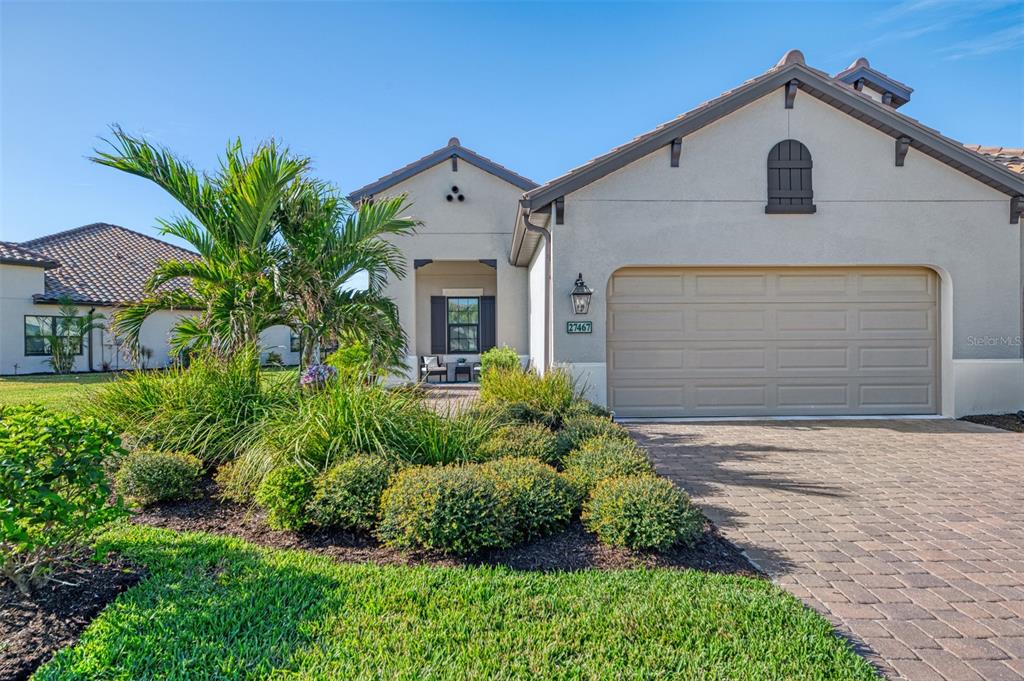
column 452, row 509
column 283, row 494
column 528, row 439
column 542, row 500
column 603, row 457
column 348, row 494
column 148, row 476
column 580, row 427
column 641, row 512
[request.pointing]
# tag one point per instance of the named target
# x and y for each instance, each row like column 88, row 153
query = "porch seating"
column 430, row 365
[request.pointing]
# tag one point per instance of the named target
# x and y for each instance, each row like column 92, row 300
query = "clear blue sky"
column 366, row 88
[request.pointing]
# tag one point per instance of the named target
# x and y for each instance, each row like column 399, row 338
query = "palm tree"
column 66, row 338
column 327, row 244
column 232, row 225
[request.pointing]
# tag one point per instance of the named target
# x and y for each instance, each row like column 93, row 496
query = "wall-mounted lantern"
column 581, row 296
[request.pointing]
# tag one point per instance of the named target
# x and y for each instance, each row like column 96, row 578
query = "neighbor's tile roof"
column 102, row 264
column 1011, row 157
column 13, row 254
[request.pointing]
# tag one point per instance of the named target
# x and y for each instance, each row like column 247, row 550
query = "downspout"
column 546, row 235
column 92, row 311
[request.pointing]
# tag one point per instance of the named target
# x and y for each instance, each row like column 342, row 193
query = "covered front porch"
column 456, row 318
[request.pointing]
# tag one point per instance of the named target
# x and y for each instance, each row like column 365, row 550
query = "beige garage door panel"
column 719, row 342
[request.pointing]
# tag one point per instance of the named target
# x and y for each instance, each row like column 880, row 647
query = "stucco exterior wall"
column 710, row 211
column 479, row 228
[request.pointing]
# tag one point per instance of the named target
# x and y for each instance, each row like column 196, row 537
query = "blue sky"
column 366, row 88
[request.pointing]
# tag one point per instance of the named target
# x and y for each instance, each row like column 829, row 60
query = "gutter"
column 546, row 235
column 92, row 311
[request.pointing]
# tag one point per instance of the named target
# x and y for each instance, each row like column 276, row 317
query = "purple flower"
column 317, row 374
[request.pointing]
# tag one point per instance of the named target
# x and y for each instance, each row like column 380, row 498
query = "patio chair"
column 431, row 365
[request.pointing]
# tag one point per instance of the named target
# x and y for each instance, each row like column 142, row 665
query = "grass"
column 64, row 393
column 217, row 607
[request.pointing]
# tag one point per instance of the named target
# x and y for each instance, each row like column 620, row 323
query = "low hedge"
column 452, row 509
column 147, row 476
column 348, row 494
column 604, row 457
column 641, row 512
column 542, row 499
column 528, row 439
column 284, row 494
column 582, row 426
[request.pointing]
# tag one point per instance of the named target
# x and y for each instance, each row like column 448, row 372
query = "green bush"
column 544, row 399
column 348, row 494
column 452, row 509
column 578, row 428
column 203, row 409
column 582, row 407
column 352, row 361
column 330, row 425
column 284, row 494
column 53, row 488
column 147, row 476
column 604, row 457
column 641, row 512
column 503, row 358
column 529, row 439
column 542, row 500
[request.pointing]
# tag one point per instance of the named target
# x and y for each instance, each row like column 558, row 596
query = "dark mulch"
column 571, row 549
column 33, row 627
column 1004, row 421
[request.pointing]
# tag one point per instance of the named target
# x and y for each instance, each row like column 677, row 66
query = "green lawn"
column 56, row 392
column 216, row 607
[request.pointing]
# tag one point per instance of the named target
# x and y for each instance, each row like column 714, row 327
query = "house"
column 100, row 268
column 796, row 246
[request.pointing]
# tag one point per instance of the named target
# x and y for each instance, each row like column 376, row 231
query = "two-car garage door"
column 774, row 341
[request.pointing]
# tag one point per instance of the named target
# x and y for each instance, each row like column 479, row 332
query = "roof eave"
column 814, row 83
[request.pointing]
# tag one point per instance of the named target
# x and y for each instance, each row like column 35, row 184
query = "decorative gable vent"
column 789, row 179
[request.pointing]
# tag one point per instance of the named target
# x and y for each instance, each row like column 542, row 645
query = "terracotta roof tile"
column 13, row 254
column 1011, row 157
column 102, row 264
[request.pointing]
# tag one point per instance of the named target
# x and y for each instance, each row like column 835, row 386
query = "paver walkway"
column 908, row 534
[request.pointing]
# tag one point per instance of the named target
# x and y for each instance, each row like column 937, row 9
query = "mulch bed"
column 1003, row 421
column 33, row 628
column 571, row 549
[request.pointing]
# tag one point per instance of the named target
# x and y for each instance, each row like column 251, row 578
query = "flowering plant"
column 318, row 374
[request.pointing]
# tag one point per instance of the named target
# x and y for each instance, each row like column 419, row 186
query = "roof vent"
column 875, row 84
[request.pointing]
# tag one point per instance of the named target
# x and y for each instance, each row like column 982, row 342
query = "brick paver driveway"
column 908, row 534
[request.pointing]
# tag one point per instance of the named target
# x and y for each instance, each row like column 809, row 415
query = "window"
column 463, row 325
column 789, row 179
column 38, row 329
column 294, row 345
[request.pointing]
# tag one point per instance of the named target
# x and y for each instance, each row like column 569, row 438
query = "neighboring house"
column 101, row 268
column 795, row 246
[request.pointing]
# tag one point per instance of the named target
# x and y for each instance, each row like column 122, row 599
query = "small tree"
column 67, row 335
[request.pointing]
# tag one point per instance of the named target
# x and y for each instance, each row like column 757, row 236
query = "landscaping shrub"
column 542, row 500
column 604, row 457
column 202, row 409
column 332, row 424
column 352, row 361
column 529, row 439
column 544, row 399
column 348, row 494
column 53, row 488
column 148, row 476
column 581, row 407
column 283, row 494
column 503, row 358
column 641, row 512
column 579, row 428
column 453, row 509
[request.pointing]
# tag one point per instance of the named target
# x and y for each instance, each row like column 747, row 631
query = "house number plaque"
column 579, row 327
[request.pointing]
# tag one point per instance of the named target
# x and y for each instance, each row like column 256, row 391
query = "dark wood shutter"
column 438, row 325
column 488, row 320
column 789, row 179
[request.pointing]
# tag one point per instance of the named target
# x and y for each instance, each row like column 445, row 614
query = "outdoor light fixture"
column 581, row 296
